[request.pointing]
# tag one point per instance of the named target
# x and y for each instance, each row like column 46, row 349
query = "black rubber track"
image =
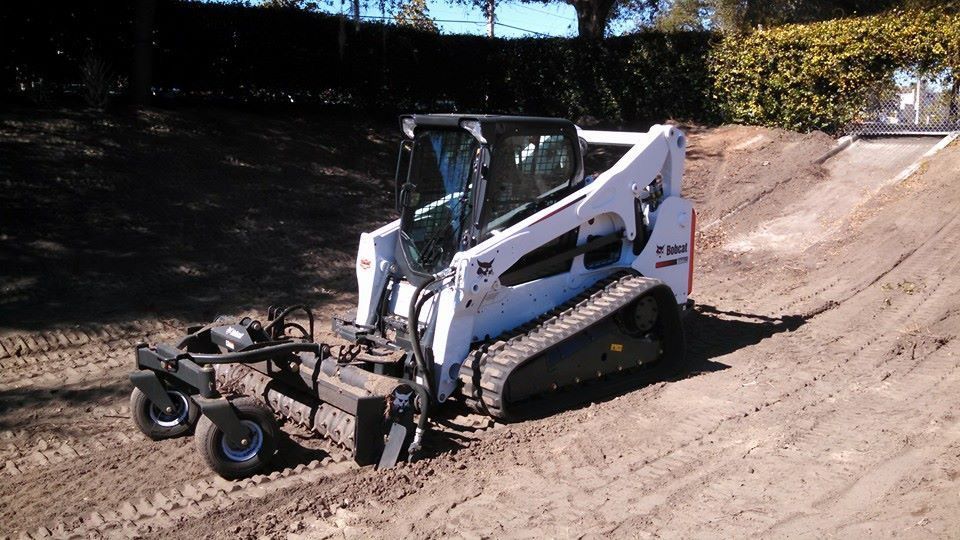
column 486, row 371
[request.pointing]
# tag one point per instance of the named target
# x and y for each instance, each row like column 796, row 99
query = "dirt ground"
column 821, row 401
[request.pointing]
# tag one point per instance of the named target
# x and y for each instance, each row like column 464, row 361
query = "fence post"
column 916, row 103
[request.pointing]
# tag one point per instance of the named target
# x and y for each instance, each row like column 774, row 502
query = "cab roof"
column 491, row 124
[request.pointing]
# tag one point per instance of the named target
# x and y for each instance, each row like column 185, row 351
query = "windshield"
column 440, row 169
column 528, row 172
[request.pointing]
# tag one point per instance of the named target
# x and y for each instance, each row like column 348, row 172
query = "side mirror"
column 403, row 170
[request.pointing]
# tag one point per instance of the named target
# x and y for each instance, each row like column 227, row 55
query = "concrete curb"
column 908, row 172
column 842, row 143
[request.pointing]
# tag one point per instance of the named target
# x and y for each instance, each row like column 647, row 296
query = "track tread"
column 495, row 362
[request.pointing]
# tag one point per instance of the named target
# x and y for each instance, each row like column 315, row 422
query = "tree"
column 746, row 15
column 415, row 13
column 140, row 84
column 593, row 16
column 291, row 4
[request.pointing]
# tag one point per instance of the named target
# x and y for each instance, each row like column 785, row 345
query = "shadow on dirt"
column 290, row 452
column 182, row 213
column 22, row 401
column 710, row 333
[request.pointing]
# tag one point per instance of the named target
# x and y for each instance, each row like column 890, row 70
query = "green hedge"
column 815, row 76
column 246, row 54
column 819, row 76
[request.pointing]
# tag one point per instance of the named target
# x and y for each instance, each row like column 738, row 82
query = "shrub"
column 98, row 80
column 820, row 76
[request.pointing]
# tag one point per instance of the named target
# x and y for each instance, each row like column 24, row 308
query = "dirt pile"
column 821, row 401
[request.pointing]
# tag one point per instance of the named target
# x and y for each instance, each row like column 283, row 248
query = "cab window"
column 528, row 172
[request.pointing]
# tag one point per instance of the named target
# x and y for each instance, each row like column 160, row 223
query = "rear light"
column 693, row 246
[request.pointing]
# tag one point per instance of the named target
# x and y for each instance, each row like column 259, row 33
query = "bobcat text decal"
column 671, row 249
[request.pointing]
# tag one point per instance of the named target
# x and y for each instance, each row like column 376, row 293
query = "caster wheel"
column 232, row 462
column 158, row 424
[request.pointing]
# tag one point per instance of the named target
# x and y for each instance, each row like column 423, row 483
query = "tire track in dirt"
column 869, row 472
column 90, row 366
column 65, row 357
column 59, row 439
column 167, row 507
column 12, row 348
column 156, row 503
column 692, row 431
column 45, row 452
column 929, row 307
column 719, row 482
column 164, row 508
column 682, row 471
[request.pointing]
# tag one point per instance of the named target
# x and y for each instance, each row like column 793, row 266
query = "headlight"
column 408, row 124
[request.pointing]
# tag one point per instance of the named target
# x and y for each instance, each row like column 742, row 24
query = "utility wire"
column 521, row 6
column 382, row 18
column 388, row 18
column 523, row 29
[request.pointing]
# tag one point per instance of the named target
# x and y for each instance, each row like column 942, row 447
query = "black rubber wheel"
column 233, row 462
column 158, row 424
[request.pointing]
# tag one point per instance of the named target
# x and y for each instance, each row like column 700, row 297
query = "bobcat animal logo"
column 660, row 250
column 401, row 400
column 485, row 268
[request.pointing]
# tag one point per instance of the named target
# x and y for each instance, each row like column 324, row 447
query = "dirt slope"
column 821, row 399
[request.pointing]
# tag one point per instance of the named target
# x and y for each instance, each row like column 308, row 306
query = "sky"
column 527, row 20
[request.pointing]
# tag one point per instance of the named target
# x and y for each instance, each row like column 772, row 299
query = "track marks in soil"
column 23, row 451
column 194, row 499
column 68, row 356
column 875, row 458
column 188, row 489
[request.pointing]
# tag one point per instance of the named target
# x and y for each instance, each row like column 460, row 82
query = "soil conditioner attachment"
column 512, row 282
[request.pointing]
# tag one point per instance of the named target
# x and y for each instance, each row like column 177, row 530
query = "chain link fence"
column 911, row 104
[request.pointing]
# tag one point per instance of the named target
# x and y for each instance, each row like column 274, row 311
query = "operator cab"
column 464, row 179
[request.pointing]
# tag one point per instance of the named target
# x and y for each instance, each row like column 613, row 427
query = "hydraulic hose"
column 422, row 419
column 279, row 317
column 413, row 317
column 255, row 355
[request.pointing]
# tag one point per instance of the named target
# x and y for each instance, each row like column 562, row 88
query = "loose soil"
column 821, row 400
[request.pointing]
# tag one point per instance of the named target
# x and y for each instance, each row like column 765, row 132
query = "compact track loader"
column 512, row 282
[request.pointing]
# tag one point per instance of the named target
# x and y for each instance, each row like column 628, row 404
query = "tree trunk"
column 489, row 12
column 592, row 18
column 141, row 81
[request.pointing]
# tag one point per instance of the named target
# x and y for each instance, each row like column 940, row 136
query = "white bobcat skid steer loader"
column 510, row 275
column 500, row 231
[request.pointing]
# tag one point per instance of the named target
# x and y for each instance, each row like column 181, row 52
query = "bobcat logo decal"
column 485, row 268
column 671, row 249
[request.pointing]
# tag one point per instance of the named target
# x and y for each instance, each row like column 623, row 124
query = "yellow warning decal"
column 616, row 347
